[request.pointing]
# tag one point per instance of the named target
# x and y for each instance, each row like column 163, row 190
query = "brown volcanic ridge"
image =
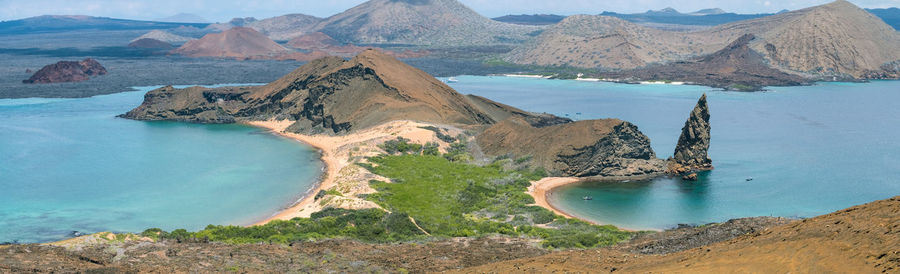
column 860, row 239
column 320, row 44
column 735, row 67
column 238, row 42
column 420, row 22
column 835, row 40
column 67, row 71
column 336, row 96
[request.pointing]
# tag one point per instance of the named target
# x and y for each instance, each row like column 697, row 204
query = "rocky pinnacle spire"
column 693, row 145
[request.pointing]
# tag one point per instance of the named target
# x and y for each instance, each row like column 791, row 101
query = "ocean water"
column 70, row 165
column 810, row 150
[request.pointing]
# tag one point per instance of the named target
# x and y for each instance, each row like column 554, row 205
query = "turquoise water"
column 71, row 165
column 810, row 150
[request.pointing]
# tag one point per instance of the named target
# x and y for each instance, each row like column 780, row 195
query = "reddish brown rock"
column 67, row 71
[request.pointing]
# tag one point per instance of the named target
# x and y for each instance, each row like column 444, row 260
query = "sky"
column 224, row 10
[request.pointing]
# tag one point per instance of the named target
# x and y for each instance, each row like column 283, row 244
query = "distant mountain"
column 708, row 12
column 697, row 18
column 183, row 18
column 149, row 43
column 734, row 67
column 238, row 42
column 669, row 11
column 592, row 41
column 62, row 23
column 890, row 16
column 285, row 27
column 536, row 19
column 837, row 39
column 420, row 22
column 164, row 36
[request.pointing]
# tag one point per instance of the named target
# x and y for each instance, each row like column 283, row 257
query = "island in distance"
column 67, row 71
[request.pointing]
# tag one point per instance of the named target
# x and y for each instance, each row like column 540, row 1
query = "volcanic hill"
column 334, row 96
column 735, row 67
column 285, row 27
column 238, row 42
column 164, row 36
column 835, row 39
column 420, row 22
column 67, row 71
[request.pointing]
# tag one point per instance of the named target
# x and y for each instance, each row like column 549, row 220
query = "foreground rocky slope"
column 860, row 239
column 335, row 96
column 835, row 40
column 67, row 71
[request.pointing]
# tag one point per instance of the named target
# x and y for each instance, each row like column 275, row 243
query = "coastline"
column 326, row 180
column 339, row 155
column 543, row 188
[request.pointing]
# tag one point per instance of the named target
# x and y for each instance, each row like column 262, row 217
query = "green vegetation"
column 454, row 198
column 446, row 196
column 401, row 145
column 372, row 225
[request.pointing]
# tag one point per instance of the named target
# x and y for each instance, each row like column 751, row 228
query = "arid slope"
column 420, row 22
column 860, row 239
column 835, row 39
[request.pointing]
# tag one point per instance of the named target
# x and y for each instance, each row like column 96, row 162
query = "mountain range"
column 836, row 39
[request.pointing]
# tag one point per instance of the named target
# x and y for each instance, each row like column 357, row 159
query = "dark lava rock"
column 735, row 67
column 28, row 71
column 149, row 43
column 67, row 71
column 693, row 145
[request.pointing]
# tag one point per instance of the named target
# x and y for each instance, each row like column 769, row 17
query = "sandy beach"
column 541, row 188
column 339, row 154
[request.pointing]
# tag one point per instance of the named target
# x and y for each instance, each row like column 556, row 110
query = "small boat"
column 452, row 80
column 578, row 113
column 749, row 179
column 587, row 198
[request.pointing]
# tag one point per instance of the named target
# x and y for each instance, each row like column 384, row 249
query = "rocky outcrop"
column 623, row 152
column 693, row 145
column 67, row 71
column 329, row 95
column 605, row 147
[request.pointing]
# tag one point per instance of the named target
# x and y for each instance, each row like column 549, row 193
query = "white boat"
column 452, row 80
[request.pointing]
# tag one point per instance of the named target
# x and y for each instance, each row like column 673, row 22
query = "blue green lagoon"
column 809, row 150
column 70, row 165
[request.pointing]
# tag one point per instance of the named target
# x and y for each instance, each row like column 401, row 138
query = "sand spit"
column 340, row 155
